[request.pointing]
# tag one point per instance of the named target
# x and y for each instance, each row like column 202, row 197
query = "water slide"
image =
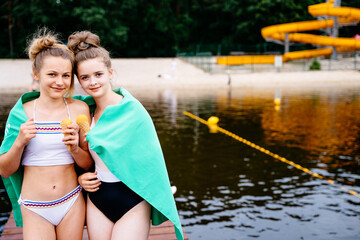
column 289, row 32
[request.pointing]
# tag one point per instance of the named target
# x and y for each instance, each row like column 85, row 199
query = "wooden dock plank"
column 167, row 229
column 164, row 231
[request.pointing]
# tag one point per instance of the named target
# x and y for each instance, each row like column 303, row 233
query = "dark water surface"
column 227, row 190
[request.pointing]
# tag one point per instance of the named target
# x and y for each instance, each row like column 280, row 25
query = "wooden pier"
column 164, row 231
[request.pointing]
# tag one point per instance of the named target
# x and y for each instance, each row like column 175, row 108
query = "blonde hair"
column 86, row 45
column 44, row 44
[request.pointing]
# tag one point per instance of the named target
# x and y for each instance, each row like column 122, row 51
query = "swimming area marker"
column 213, row 125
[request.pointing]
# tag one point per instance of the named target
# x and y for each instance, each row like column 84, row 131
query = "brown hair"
column 45, row 43
column 86, row 45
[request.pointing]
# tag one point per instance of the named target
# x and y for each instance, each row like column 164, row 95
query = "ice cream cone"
column 83, row 123
column 64, row 125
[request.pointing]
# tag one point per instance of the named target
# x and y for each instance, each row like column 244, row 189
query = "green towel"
column 13, row 184
column 126, row 140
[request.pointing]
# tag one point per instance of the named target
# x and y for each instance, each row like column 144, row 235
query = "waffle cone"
column 84, row 126
column 83, row 123
column 64, row 125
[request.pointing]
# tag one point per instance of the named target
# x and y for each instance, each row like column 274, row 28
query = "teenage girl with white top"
column 52, row 206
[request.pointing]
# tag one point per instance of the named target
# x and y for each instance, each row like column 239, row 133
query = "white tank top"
column 47, row 148
column 103, row 173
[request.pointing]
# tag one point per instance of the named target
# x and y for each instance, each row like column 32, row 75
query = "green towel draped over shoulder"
column 13, row 184
column 125, row 139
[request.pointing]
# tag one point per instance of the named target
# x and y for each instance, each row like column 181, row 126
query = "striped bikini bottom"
column 53, row 211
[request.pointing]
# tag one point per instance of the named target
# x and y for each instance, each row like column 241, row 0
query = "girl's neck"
column 51, row 103
column 50, row 109
column 111, row 98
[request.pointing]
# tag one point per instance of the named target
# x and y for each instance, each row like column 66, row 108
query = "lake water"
column 227, row 190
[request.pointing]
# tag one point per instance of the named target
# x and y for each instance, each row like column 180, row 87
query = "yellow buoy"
column 212, row 124
column 213, row 120
column 277, row 101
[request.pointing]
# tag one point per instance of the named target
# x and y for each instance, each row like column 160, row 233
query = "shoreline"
column 173, row 73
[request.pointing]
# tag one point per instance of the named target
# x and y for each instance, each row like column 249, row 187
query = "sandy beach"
column 171, row 73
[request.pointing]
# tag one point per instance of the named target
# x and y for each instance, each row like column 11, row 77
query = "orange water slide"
column 345, row 16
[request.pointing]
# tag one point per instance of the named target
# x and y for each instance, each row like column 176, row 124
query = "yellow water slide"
column 345, row 16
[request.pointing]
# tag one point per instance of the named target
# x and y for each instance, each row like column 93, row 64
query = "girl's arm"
column 77, row 139
column 10, row 161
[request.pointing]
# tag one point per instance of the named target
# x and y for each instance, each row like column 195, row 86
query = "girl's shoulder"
column 78, row 106
column 29, row 104
column 29, row 108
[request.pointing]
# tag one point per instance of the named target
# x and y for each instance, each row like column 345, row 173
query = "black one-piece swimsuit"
column 114, row 199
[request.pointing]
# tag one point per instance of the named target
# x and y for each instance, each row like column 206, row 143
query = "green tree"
column 149, row 28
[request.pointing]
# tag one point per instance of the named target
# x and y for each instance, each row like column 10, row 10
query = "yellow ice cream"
column 64, row 125
column 83, row 123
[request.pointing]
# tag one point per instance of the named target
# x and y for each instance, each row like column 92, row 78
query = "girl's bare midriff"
column 48, row 183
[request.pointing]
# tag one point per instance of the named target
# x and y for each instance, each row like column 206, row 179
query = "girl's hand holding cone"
column 71, row 136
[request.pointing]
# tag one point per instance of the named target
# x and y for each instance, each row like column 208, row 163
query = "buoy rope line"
column 261, row 149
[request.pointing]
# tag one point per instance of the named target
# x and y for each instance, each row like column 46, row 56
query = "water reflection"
column 227, row 190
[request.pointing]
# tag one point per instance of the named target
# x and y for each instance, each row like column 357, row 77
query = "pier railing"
column 207, row 62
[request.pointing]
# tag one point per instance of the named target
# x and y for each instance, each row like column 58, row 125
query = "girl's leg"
column 36, row 227
column 98, row 225
column 72, row 225
column 134, row 225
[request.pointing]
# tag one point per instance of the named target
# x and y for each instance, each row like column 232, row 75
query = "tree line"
column 151, row 28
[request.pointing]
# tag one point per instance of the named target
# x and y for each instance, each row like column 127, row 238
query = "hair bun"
column 43, row 40
column 80, row 41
